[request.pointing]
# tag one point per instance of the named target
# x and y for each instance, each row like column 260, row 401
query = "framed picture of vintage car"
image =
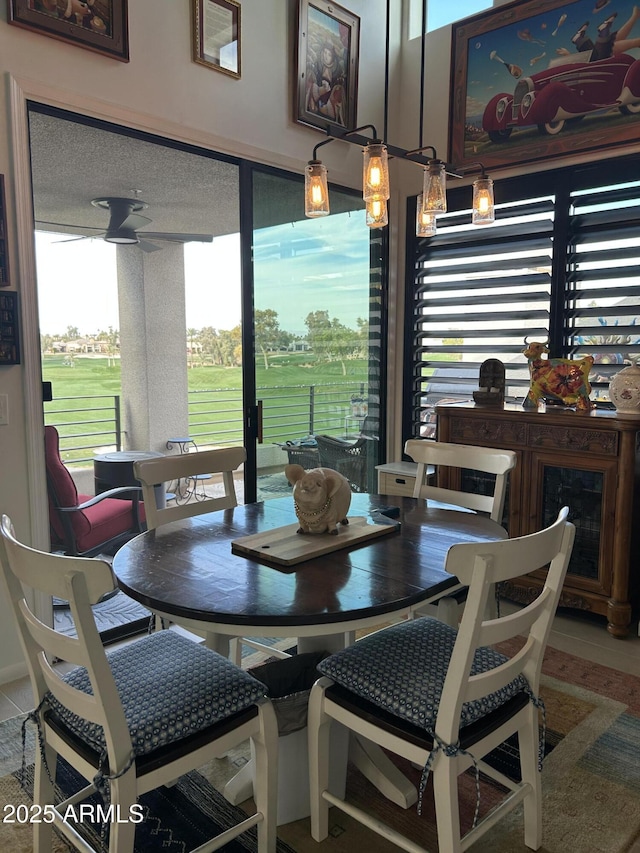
column 536, row 80
column 98, row 25
column 327, row 65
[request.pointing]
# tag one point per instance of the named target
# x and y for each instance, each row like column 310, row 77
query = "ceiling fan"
column 125, row 220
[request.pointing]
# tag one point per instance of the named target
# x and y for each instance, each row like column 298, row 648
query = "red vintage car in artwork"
column 563, row 93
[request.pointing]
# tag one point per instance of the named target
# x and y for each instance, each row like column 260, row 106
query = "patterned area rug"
column 591, row 780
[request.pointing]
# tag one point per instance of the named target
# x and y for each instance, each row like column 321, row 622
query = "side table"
column 114, row 469
column 184, row 490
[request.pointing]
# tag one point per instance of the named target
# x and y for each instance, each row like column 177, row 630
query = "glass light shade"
column 483, row 203
column 316, row 189
column 376, row 213
column 375, row 172
column 425, row 220
column 434, row 190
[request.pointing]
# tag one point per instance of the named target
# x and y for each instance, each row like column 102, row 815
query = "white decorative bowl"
column 624, row 390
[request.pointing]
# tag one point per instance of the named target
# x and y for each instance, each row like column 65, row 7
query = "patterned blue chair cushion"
column 402, row 670
column 170, row 688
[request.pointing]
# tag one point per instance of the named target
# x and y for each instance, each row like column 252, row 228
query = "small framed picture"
column 327, row 72
column 216, row 35
column 100, row 25
column 9, row 334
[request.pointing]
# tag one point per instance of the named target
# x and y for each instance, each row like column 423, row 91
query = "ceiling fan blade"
column 84, row 237
column 177, row 238
column 69, row 225
column 133, row 221
column 146, row 246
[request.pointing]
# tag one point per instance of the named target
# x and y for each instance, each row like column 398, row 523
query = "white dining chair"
column 154, row 471
column 443, row 698
column 432, row 455
column 132, row 719
column 165, row 469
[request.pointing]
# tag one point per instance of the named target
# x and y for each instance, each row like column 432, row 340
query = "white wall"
column 161, row 90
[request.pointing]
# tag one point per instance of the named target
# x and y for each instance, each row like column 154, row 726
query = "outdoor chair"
column 444, row 698
column 84, row 525
column 133, row 719
column 351, row 458
column 489, row 497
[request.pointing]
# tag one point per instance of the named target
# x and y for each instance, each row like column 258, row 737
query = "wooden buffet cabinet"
column 587, row 461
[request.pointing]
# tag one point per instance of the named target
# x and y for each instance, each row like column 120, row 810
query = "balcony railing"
column 92, row 423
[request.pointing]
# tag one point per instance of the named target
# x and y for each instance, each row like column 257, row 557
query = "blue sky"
column 300, row 267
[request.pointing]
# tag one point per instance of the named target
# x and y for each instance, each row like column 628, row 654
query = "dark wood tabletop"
column 186, row 569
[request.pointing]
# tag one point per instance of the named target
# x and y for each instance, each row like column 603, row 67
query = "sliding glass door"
column 315, row 335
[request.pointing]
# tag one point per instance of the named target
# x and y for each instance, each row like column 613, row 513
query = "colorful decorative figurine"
column 563, row 379
column 321, row 497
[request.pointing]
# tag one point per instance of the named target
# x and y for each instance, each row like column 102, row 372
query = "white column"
column 153, row 345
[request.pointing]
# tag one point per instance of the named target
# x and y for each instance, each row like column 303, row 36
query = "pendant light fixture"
column 425, row 220
column 375, row 171
column 376, row 213
column 316, row 189
column 376, row 153
column 483, row 212
column 434, row 188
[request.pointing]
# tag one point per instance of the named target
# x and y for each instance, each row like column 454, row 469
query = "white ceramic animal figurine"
column 322, row 498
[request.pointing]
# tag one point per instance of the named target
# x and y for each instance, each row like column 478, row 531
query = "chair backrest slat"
column 480, row 569
column 487, row 460
column 167, row 469
column 81, row 581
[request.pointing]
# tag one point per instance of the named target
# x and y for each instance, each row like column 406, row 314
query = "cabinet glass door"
column 589, row 492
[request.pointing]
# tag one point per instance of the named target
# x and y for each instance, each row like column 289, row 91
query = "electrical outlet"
column 4, row 409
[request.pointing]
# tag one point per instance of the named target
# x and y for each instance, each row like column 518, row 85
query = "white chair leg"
column 43, row 795
column 448, row 611
column 122, row 832
column 235, row 651
column 445, row 792
column 266, row 786
column 319, row 731
column 528, row 744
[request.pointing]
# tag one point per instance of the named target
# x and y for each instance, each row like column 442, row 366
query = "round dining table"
column 188, row 572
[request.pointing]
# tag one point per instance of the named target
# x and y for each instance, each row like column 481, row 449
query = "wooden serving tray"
column 285, row 546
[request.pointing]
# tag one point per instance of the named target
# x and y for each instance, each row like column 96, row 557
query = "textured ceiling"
column 73, row 163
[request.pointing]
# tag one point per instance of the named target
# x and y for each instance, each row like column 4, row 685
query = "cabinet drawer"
column 573, row 438
column 395, row 484
column 487, row 432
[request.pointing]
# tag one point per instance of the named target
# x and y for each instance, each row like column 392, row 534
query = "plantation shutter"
column 478, row 292
column 602, row 294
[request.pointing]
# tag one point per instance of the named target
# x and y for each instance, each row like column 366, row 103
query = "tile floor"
column 572, row 633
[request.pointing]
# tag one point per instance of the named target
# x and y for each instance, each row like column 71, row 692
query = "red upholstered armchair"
column 83, row 525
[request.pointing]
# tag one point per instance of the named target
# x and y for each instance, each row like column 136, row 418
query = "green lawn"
column 216, row 412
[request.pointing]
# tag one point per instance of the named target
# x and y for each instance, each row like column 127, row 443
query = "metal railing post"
column 118, row 424
column 312, row 397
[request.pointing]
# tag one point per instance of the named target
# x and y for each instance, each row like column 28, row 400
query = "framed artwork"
column 327, row 67
column 216, row 35
column 538, row 80
column 100, row 25
column 9, row 340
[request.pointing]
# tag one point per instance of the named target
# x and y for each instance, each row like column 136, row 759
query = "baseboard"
column 13, row 672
